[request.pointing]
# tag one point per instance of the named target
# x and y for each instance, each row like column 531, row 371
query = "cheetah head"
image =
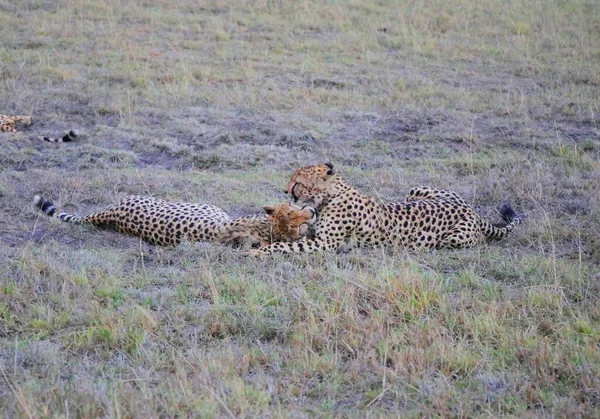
column 312, row 185
column 26, row 120
column 290, row 222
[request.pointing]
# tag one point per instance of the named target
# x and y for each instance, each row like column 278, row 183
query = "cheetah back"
column 165, row 223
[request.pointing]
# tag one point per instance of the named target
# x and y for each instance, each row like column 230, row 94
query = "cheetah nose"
column 285, row 191
column 313, row 214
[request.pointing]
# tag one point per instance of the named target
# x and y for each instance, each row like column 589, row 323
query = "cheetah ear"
column 331, row 170
column 269, row 209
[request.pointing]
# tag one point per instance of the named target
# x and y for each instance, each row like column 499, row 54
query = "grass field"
column 218, row 102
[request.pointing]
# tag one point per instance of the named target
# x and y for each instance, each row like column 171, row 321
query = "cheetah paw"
column 256, row 253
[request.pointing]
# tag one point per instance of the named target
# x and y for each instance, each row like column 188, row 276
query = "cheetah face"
column 24, row 119
column 309, row 185
column 290, row 222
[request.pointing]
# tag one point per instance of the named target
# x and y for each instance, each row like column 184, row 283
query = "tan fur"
column 290, row 222
column 169, row 223
column 8, row 123
column 430, row 218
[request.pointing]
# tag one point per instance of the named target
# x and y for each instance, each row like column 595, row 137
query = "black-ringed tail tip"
column 67, row 138
column 44, row 204
column 509, row 215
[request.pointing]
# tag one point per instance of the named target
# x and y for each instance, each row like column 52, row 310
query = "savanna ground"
column 218, row 102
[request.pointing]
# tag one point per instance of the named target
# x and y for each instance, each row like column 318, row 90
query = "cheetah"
column 8, row 123
column 164, row 223
column 430, row 218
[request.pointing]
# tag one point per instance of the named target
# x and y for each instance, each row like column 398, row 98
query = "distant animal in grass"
column 166, row 223
column 430, row 218
column 68, row 137
column 8, row 123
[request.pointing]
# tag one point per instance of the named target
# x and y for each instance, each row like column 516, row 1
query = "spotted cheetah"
column 166, row 223
column 8, row 123
column 430, row 218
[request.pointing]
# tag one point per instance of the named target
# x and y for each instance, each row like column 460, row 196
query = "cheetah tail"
column 50, row 209
column 508, row 213
column 45, row 205
column 510, row 217
column 68, row 137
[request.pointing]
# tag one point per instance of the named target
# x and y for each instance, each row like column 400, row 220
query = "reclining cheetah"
column 8, row 123
column 169, row 223
column 429, row 219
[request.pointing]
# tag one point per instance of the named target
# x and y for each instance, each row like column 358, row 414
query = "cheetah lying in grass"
column 8, row 123
column 166, row 223
column 429, row 218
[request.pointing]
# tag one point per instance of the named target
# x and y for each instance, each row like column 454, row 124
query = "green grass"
column 218, row 102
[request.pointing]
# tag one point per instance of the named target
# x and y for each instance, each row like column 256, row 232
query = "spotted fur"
column 169, row 223
column 430, row 218
column 290, row 222
column 8, row 123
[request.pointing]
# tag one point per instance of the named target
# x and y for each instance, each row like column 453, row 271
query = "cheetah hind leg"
column 464, row 234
